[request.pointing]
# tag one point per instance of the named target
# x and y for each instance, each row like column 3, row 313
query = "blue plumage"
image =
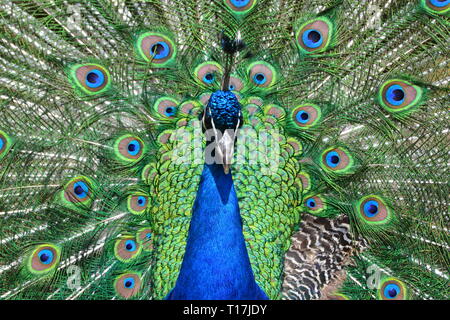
column 216, row 265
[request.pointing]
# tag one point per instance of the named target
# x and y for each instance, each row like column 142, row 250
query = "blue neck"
column 216, row 265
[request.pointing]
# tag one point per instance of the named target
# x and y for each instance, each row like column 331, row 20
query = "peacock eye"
column 137, row 203
column 89, row 78
column 440, row 3
column 337, row 160
column 373, row 210
column 315, row 204
column 159, row 50
column 395, row 95
column 142, row 201
column 95, row 78
column 78, row 190
column 262, row 74
column 302, row 117
column 129, row 148
column 130, row 245
column 170, row 111
column 399, row 96
column 436, row 6
column 312, row 38
column 126, row 249
column 209, row 78
column 166, row 107
column 5, row 144
column 240, row 3
column 44, row 258
column 306, row 116
column 156, row 48
column 259, row 78
column 315, row 35
column 240, row 6
column 206, row 72
column 311, row 203
column 134, row 147
column 333, row 159
column 392, row 289
column 236, row 84
column 127, row 285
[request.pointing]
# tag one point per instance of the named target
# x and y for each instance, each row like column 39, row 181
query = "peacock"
column 224, row 149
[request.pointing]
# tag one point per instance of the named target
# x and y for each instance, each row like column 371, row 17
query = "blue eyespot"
column 239, row 3
column 1, row 144
column 80, row 189
column 333, row 159
column 440, row 3
column 129, row 283
column 391, row 291
column 159, row 50
column 312, row 38
column 170, row 111
column 95, row 78
column 259, row 78
column 148, row 235
column 311, row 203
column 209, row 78
column 302, row 116
column 46, row 256
column 371, row 208
column 141, row 201
column 231, row 87
column 395, row 95
column 134, row 147
column 130, row 245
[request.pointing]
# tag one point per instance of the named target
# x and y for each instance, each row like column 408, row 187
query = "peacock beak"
column 225, row 149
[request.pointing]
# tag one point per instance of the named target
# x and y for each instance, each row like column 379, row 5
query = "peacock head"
column 222, row 119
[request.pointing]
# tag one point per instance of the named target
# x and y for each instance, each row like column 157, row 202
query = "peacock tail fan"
column 340, row 165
